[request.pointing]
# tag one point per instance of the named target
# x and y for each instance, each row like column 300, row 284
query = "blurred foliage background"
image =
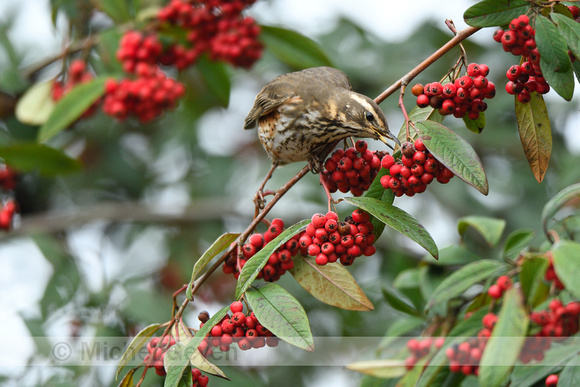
column 100, row 252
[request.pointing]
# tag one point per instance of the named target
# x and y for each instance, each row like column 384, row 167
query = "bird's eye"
column 369, row 116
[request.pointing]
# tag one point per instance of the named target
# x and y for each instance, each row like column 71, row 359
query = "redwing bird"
column 301, row 116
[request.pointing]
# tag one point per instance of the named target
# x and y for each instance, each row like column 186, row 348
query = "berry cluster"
column 414, row 171
column 502, row 284
column 463, row 97
column 216, row 27
column 279, row 262
column 551, row 276
column 519, row 39
column 329, row 240
column 241, row 328
column 420, row 348
column 145, row 97
column 157, row 348
column 464, row 357
column 136, row 47
column 77, row 74
column 352, row 170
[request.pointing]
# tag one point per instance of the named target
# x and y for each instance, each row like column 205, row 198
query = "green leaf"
column 253, row 266
column 453, row 256
column 36, row 105
column 554, row 59
column 282, row 314
column 570, row 375
column 382, row 368
column 180, row 360
column 490, row 229
column 554, row 359
column 576, row 67
column 217, row 78
column 517, row 241
column 377, row 191
column 462, row 279
column 489, row 13
column 293, row 48
column 454, row 152
column 477, row 125
column 399, row 327
column 420, row 114
column 117, row 10
column 532, row 280
column 397, row 219
column 331, row 284
column 558, row 201
column 71, row 107
column 535, row 133
column 31, row 157
column 566, row 256
column 398, row 304
column 223, row 242
column 181, row 333
column 506, row 341
column 135, row 346
column 570, row 30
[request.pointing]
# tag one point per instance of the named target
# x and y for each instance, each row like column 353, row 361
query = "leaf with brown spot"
column 331, row 284
column 535, row 133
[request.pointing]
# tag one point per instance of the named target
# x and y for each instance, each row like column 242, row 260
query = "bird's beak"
column 384, row 138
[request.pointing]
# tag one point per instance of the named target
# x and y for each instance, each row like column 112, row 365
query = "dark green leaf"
column 576, row 67
column 558, row 201
column 570, row 30
column 293, row 48
column 570, row 375
column 420, row 114
column 399, row 327
column 535, row 133
column 135, row 346
column 566, row 255
column 490, row 229
column 331, row 284
column 218, row 246
column 489, row 13
column 253, row 266
column 117, row 10
column 461, row 280
column 217, row 78
column 32, row 157
column 554, row 59
column 532, row 280
column 398, row 304
column 181, row 359
column 397, row 219
column 517, row 241
column 506, row 341
column 282, row 314
column 71, row 107
column 454, row 152
column 477, row 125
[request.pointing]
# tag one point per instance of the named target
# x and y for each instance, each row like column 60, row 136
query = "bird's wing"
column 269, row 99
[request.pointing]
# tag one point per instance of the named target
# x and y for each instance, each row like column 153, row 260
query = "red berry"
column 552, row 380
column 495, row 291
column 497, row 35
column 236, row 306
column 422, row 101
column 473, row 70
column 504, row 282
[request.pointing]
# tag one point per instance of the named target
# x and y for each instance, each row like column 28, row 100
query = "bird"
column 302, row 115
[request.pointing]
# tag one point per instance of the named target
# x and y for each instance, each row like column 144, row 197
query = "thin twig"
column 403, row 81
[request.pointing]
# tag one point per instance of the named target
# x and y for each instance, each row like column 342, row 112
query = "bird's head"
column 365, row 117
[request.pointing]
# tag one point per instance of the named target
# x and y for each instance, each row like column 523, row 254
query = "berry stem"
column 404, row 80
column 404, row 111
